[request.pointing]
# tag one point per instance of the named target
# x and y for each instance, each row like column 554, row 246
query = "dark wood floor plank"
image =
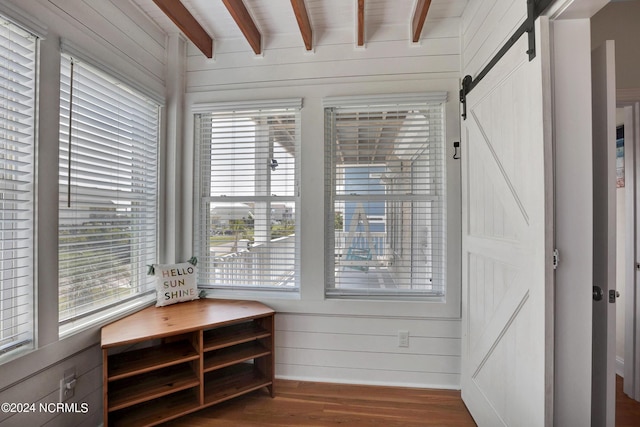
column 300, row 404
column 627, row 409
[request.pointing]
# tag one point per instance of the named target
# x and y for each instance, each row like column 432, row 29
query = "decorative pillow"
column 175, row 283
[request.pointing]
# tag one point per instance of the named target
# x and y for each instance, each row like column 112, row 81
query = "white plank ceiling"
column 383, row 19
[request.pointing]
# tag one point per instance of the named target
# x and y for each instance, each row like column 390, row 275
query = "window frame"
column 362, row 104
column 21, row 168
column 144, row 285
column 201, row 200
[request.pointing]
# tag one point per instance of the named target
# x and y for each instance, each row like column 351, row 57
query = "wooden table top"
column 158, row 322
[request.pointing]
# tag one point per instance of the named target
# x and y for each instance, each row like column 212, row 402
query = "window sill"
column 102, row 318
column 388, row 308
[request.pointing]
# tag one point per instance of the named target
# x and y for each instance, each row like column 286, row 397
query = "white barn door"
column 507, row 356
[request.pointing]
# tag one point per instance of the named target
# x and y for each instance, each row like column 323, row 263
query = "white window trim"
column 357, row 101
column 73, row 50
column 23, row 19
column 27, row 344
column 357, row 104
column 311, row 300
column 208, row 107
column 239, row 106
column 103, row 315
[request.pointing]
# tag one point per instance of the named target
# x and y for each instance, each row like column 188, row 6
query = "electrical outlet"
column 67, row 385
column 403, row 338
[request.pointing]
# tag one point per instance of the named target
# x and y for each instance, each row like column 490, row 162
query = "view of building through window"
column 385, row 186
column 248, row 198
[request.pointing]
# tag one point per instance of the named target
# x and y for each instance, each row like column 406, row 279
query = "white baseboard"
column 371, row 383
column 620, row 366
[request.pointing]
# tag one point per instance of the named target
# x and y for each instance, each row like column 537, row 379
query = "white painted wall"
column 619, row 21
column 364, row 350
column 41, row 387
column 118, row 35
column 346, row 340
column 486, row 26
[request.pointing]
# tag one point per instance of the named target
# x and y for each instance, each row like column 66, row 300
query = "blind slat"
column 108, row 193
column 18, row 51
column 248, row 194
column 385, row 185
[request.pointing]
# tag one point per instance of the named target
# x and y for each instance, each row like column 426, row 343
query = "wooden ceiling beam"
column 303, row 22
column 419, row 16
column 360, row 22
column 241, row 15
column 185, row 21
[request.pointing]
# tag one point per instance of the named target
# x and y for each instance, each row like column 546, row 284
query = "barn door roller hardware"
column 534, row 10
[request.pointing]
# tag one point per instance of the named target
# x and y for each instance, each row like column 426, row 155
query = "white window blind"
column 108, row 188
column 248, row 198
column 18, row 55
column 385, row 183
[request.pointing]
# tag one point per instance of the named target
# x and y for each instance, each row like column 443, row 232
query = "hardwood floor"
column 302, row 404
column 627, row 409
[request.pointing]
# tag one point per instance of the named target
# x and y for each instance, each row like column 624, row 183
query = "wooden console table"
column 164, row 362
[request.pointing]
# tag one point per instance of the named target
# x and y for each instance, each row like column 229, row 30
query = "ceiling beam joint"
column 419, row 16
column 185, row 21
column 302, row 17
column 360, row 22
column 241, row 15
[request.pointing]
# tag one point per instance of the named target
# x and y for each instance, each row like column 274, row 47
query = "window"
column 385, row 191
column 248, row 190
column 18, row 54
column 108, row 194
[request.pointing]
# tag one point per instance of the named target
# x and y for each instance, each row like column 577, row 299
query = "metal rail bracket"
column 534, row 10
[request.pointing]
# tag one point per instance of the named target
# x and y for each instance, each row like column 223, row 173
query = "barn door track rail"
column 534, row 10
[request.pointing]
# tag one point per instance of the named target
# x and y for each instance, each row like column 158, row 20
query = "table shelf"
column 164, row 362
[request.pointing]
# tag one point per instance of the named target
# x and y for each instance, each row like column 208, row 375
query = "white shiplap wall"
column 42, row 388
column 116, row 34
column 347, row 341
column 285, row 61
column 486, row 26
column 364, row 350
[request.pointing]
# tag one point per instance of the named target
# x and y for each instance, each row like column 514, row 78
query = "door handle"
column 613, row 294
column 597, row 293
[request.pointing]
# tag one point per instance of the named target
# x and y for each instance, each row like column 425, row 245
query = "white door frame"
column 571, row 76
column 603, row 103
column 571, row 71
